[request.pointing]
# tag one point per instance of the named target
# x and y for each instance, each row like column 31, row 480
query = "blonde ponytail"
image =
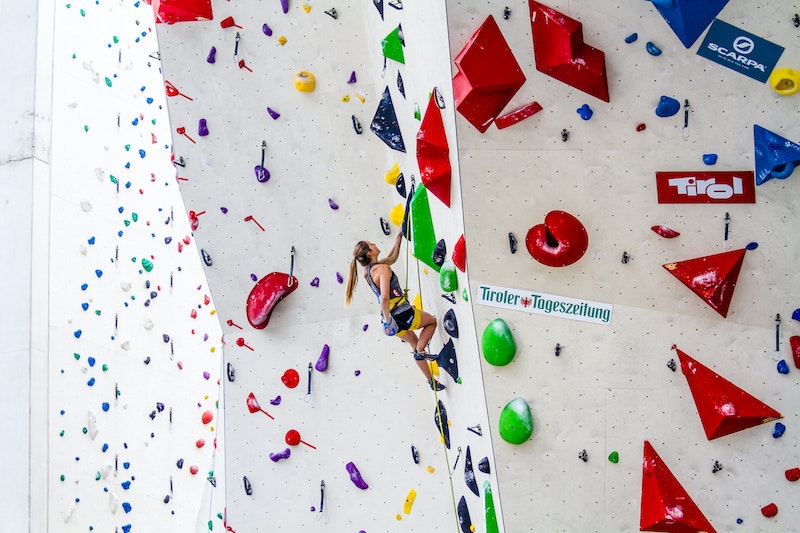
column 352, row 279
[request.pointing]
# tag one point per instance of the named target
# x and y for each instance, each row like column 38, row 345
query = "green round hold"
column 613, row 457
column 516, row 422
column 497, row 343
column 448, row 279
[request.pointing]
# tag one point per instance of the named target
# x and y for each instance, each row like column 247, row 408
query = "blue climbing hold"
column 85, row 306
column 84, row 286
column 710, row 159
column 783, row 368
column 90, row 382
column 796, row 314
column 91, row 240
column 91, row 361
column 78, row 333
column 778, row 431
column 126, row 485
column 652, row 49
column 585, row 112
column 631, row 38
column 751, row 245
column 775, row 156
column 105, row 447
column 384, row 123
column 106, row 407
column 667, row 107
column 689, row 18
column 126, row 507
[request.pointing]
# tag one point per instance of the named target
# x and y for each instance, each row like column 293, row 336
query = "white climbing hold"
column 113, row 499
column 93, row 431
column 125, row 285
column 69, row 511
column 86, row 206
column 148, row 324
column 125, row 345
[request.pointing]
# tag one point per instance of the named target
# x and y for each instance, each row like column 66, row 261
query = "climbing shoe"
column 438, row 386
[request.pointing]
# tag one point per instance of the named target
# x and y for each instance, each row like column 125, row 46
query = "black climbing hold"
column 153, row 415
column 179, row 463
column 447, row 359
column 440, row 418
column 147, row 284
column 332, row 13
column 796, row 20
column 397, row 4
column 405, row 226
column 153, row 294
column 147, row 360
column 564, row 135
column 483, row 465
column 385, row 227
column 356, row 125
column 506, row 13
column 464, row 521
column 437, row 95
column 469, row 474
column 379, row 5
column 625, row 258
column 558, row 349
column 248, row 489
column 384, row 123
column 400, row 86
column 439, row 252
column 160, row 406
column 450, row 297
column 716, row 468
column 166, row 498
column 165, row 337
column 401, row 185
column 450, row 323
column 583, row 456
column 672, row 365
column 415, row 454
column 231, row 373
column 512, row 242
column 206, row 257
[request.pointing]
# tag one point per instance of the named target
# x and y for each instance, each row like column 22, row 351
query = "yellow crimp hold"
column 398, row 517
column 396, row 214
column 785, row 81
column 393, row 174
column 346, row 98
column 430, row 469
column 361, row 98
column 282, row 40
column 412, row 495
column 307, row 8
column 434, row 368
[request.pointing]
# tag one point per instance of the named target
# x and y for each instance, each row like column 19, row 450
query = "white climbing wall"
column 610, row 388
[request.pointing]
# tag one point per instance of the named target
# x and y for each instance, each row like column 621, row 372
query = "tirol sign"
column 540, row 303
column 740, row 50
column 706, row 187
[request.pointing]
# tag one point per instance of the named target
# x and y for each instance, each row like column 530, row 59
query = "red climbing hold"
column 291, row 378
column 769, row 510
column 559, row 242
column 666, row 506
column 794, row 342
column 172, row 11
column 664, row 231
column 254, row 407
column 792, row 474
column 266, row 294
column 723, row 407
column 518, row 115
column 460, row 254
column 433, row 153
column 712, row 277
column 560, row 52
column 488, row 76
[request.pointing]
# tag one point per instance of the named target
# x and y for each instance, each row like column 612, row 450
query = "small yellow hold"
column 417, row 302
column 346, row 98
column 211, row 428
column 396, row 214
column 307, row 8
column 425, row 271
column 282, row 40
column 205, row 397
column 304, row 81
column 472, row 528
column 412, row 495
column 393, row 174
column 785, row 81
column 398, row 517
column 361, row 98
column 213, row 312
column 434, row 368
column 213, row 349
column 430, row 469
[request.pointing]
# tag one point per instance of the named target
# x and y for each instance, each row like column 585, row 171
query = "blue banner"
column 740, row 50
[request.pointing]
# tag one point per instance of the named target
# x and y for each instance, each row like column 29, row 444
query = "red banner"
column 706, row 187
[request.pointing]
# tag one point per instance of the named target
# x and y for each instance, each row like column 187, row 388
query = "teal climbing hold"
column 488, row 506
column 448, row 279
column 516, row 422
column 147, row 264
column 497, row 343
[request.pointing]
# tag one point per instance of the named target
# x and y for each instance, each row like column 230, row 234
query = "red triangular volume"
column 723, row 407
column 666, row 506
column 172, row 11
column 433, row 153
column 712, row 277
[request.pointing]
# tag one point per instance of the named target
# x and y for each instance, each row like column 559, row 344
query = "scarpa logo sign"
column 739, row 50
column 706, row 187
column 540, row 303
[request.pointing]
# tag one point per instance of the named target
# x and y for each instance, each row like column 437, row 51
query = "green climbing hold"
column 423, row 238
column 98, row 312
column 497, row 343
column 210, row 525
column 86, row 128
column 116, row 39
column 127, row 147
column 465, row 295
column 613, row 457
column 113, row 179
column 83, row 13
column 62, row 477
column 61, row 433
column 108, row 81
column 488, row 505
column 393, row 46
column 147, row 264
column 77, row 356
column 417, row 114
column 126, row 222
column 448, row 279
column 97, row 476
column 85, row 430
column 135, row 217
column 104, row 367
column 516, row 422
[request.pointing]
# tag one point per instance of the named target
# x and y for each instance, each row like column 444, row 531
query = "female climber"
column 399, row 317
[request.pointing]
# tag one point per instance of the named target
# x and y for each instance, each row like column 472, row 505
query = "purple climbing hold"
column 262, row 174
column 212, row 55
column 202, row 128
column 253, row 277
column 364, row 327
column 267, row 30
column 276, row 400
column 224, row 210
column 285, row 5
column 314, row 282
column 339, row 278
column 357, row 373
column 333, row 204
column 274, row 114
column 165, row 337
column 355, row 476
column 352, row 77
column 322, row 362
column 282, row 455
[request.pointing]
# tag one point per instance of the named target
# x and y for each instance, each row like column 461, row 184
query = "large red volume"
column 723, row 407
column 560, row 52
column 433, row 153
column 488, row 76
column 666, row 506
column 712, row 277
column 171, row 11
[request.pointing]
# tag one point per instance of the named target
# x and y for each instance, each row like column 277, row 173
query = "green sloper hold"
column 147, row 264
column 516, row 422
column 423, row 237
column 393, row 46
column 497, row 343
column 488, row 505
column 448, row 279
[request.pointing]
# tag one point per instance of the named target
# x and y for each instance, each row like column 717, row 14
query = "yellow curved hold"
column 304, row 81
column 282, row 40
column 396, row 214
column 785, row 81
column 361, row 98
column 412, row 495
column 430, row 469
column 393, row 174
column 307, row 8
column 346, row 98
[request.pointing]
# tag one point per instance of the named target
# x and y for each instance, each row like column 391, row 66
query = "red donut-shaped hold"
column 559, row 242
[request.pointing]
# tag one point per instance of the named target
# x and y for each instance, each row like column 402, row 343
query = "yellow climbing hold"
column 392, row 175
column 304, row 81
column 282, row 40
column 398, row 517
column 785, row 81
column 412, row 495
column 346, row 98
column 396, row 214
column 430, row 469
column 361, row 98
column 417, row 302
column 434, row 369
column 307, row 8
